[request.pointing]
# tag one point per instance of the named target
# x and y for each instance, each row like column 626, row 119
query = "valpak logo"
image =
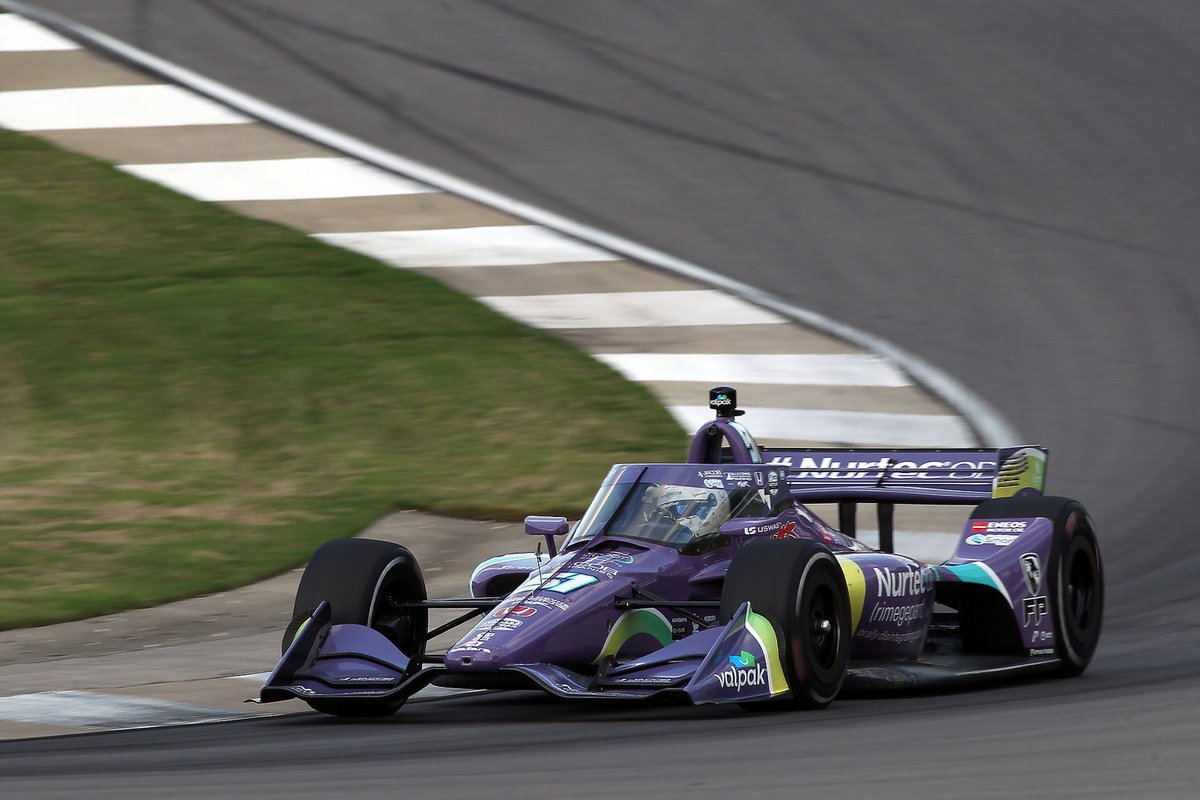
column 743, row 670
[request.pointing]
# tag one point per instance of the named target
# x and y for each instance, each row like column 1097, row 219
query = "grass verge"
column 191, row 400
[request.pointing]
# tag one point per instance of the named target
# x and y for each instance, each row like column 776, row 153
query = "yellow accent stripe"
column 856, row 585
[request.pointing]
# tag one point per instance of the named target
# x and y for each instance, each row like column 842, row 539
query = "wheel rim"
column 823, row 628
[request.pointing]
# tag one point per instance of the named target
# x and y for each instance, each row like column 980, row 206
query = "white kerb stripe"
column 277, row 179
column 99, row 710
column 737, row 370
column 842, row 427
column 19, row 35
column 493, row 245
column 631, row 310
column 149, row 106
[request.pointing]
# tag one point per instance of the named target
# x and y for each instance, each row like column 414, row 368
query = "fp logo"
column 1035, row 608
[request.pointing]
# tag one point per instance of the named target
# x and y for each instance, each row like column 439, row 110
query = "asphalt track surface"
column 1007, row 190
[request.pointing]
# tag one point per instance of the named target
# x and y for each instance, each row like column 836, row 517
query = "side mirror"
column 548, row 527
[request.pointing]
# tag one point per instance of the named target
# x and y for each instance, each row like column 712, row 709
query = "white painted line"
column 147, row 106
column 19, row 35
column 98, row 710
column 489, row 246
column 738, row 370
column 631, row 310
column 842, row 427
column 257, row 677
column 277, row 179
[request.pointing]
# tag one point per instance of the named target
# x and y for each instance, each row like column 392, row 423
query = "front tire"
column 800, row 587
column 364, row 580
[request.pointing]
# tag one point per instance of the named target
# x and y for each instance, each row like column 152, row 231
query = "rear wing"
column 887, row 477
column 950, row 476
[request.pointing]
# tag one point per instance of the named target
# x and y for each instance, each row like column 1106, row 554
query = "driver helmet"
column 700, row 510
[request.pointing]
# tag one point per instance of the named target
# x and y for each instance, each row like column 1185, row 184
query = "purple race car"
column 712, row 582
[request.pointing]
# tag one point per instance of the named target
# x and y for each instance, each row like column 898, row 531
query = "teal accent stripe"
column 973, row 573
column 981, row 573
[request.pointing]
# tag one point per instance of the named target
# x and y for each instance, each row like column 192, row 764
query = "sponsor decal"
column 511, row 609
column 1042, row 651
column 562, row 583
column 545, row 602
column 1031, row 566
column 773, row 480
column 720, row 401
column 682, row 626
column 506, row 624
column 603, row 563
column 1043, row 636
column 743, row 670
column 989, row 525
column 366, row 679
column 567, row 582
column 476, row 639
column 897, row 615
column 300, row 689
column 996, row 539
column 714, row 483
column 832, row 468
column 648, row 680
column 901, row 583
column 710, row 473
column 1035, row 608
column 786, row 531
column 896, row 637
column 758, row 480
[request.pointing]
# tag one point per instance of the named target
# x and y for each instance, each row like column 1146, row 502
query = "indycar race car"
column 711, row 581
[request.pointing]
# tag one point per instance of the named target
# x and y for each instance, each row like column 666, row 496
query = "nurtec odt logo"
column 743, row 670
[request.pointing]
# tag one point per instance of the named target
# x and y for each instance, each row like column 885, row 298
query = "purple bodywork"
column 624, row 613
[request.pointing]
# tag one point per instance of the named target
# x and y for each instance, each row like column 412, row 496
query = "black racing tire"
column 798, row 585
column 363, row 580
column 1075, row 574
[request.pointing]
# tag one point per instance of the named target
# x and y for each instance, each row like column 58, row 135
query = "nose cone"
column 560, row 616
column 472, row 660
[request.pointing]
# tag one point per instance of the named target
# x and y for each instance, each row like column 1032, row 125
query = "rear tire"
column 1075, row 574
column 800, row 587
